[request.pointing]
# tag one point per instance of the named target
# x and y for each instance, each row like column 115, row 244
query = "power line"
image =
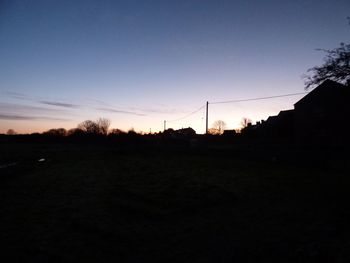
column 230, row 101
column 188, row 115
column 259, row 98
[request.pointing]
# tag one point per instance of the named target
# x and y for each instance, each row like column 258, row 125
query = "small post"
column 206, row 118
column 164, row 125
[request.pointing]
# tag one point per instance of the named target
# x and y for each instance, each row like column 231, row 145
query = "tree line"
column 99, row 127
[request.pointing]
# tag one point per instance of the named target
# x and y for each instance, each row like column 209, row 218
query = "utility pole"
column 164, row 125
column 206, row 119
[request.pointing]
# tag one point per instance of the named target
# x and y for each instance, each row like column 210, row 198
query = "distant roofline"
column 290, row 110
column 325, row 83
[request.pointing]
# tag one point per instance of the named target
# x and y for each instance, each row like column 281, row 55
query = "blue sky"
column 141, row 62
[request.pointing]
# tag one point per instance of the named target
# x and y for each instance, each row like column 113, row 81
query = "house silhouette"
column 319, row 118
column 321, row 115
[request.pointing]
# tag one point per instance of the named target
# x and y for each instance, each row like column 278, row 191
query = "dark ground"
column 106, row 204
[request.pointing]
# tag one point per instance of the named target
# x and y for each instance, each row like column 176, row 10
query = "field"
column 96, row 203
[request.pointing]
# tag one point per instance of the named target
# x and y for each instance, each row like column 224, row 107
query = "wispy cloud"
column 121, row 111
column 16, row 95
column 157, row 110
column 101, row 105
column 16, row 117
column 99, row 102
column 60, row 104
column 57, row 103
column 19, row 108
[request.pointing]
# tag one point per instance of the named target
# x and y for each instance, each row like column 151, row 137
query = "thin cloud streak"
column 121, row 111
column 133, row 110
column 157, row 110
column 13, row 107
column 60, row 104
column 16, row 95
column 12, row 117
column 21, row 96
column 99, row 102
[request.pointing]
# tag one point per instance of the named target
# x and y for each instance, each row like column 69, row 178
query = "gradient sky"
column 141, row 62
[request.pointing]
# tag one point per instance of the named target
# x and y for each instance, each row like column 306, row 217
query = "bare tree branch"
column 336, row 67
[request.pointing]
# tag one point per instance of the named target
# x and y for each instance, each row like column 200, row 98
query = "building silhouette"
column 319, row 118
column 322, row 115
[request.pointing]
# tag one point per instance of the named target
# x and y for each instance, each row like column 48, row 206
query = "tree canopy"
column 218, row 127
column 99, row 126
column 336, row 67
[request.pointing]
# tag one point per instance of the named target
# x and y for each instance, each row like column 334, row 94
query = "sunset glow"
column 139, row 63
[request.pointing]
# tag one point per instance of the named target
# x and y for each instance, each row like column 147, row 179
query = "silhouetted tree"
column 60, row 132
column 11, row 132
column 117, row 132
column 218, row 126
column 245, row 122
column 213, row 131
column 336, row 67
column 132, row 132
column 100, row 126
column 89, row 127
column 103, row 125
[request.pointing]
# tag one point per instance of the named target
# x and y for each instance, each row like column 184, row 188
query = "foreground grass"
column 101, row 204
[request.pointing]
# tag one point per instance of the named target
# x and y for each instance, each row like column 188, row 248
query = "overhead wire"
column 188, row 115
column 259, row 98
column 235, row 101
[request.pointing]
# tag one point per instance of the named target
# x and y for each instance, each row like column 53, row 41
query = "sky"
column 139, row 63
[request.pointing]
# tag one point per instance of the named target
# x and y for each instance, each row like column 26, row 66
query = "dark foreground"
column 104, row 204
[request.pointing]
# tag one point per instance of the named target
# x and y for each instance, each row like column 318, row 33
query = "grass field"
column 105, row 204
